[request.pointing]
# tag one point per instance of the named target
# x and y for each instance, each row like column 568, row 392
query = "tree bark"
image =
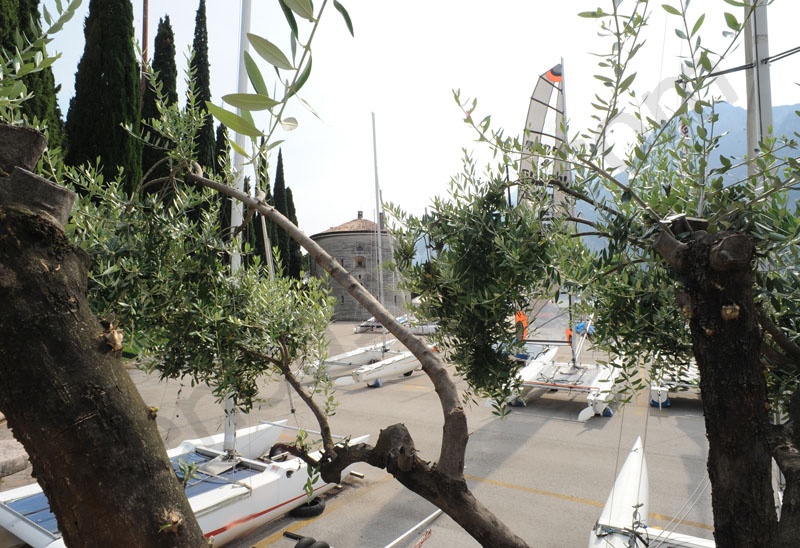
column 93, row 444
column 716, row 270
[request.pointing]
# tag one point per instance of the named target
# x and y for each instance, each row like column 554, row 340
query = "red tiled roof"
column 356, row 225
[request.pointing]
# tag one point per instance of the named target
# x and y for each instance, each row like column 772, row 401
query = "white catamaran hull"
column 228, row 503
column 346, row 362
column 402, row 363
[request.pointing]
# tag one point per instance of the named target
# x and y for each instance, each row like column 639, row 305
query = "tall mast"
column 379, row 234
column 229, row 442
column 759, row 89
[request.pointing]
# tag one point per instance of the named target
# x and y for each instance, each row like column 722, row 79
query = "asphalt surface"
column 540, row 470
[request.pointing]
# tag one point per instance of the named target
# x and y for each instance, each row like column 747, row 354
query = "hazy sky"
column 402, row 65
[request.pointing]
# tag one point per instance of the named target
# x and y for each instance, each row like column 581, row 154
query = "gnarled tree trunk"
column 93, row 444
column 717, row 273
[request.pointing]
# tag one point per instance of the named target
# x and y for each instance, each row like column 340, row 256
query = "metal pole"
column 422, row 523
column 229, row 442
column 239, row 160
column 759, row 88
column 378, row 210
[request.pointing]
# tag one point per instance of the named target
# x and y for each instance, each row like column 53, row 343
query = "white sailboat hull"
column 623, row 521
column 226, row 505
column 626, row 509
column 399, row 364
column 346, row 362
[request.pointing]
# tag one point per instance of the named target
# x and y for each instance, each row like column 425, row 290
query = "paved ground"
column 539, row 470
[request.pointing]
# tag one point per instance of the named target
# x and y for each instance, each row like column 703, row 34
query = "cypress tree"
column 279, row 198
column 262, row 183
column 23, row 16
column 204, row 140
column 9, row 22
column 167, row 75
column 295, row 262
column 221, row 153
column 107, row 94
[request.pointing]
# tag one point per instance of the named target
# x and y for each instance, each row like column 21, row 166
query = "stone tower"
column 355, row 245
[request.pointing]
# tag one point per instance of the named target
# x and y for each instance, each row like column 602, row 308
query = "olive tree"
column 697, row 264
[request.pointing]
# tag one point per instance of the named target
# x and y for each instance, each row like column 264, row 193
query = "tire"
column 309, row 510
column 305, row 542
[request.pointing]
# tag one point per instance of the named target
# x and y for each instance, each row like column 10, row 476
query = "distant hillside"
column 733, row 123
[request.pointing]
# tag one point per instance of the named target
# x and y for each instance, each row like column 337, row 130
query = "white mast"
column 378, row 210
column 229, row 443
column 759, row 89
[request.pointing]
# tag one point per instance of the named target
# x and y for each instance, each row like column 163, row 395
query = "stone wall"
column 357, row 252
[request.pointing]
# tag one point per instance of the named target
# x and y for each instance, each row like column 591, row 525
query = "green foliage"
column 474, row 260
column 670, row 173
column 159, row 269
column 171, row 133
column 103, row 115
column 162, row 86
column 292, row 73
column 186, row 471
column 27, row 88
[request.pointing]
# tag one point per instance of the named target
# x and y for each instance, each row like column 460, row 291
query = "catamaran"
column 545, row 132
column 231, row 495
column 542, row 371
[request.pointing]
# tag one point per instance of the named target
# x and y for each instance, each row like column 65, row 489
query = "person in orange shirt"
column 521, row 323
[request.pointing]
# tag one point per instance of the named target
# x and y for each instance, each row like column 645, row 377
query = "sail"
column 544, row 126
column 545, row 131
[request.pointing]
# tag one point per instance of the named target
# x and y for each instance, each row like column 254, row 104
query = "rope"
column 682, row 512
column 177, row 408
column 619, row 448
column 292, row 408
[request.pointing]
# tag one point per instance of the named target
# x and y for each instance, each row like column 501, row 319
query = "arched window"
column 360, row 261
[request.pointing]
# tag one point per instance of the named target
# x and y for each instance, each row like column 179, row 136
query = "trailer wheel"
column 309, row 510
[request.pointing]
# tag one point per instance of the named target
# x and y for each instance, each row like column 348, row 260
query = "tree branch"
column 778, row 336
column 670, row 249
column 455, row 433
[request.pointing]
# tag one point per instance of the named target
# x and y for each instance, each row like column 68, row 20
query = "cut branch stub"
column 27, row 191
column 670, row 250
column 19, row 147
column 731, row 252
column 395, row 449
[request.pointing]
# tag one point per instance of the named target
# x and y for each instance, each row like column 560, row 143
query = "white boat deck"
column 228, row 496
